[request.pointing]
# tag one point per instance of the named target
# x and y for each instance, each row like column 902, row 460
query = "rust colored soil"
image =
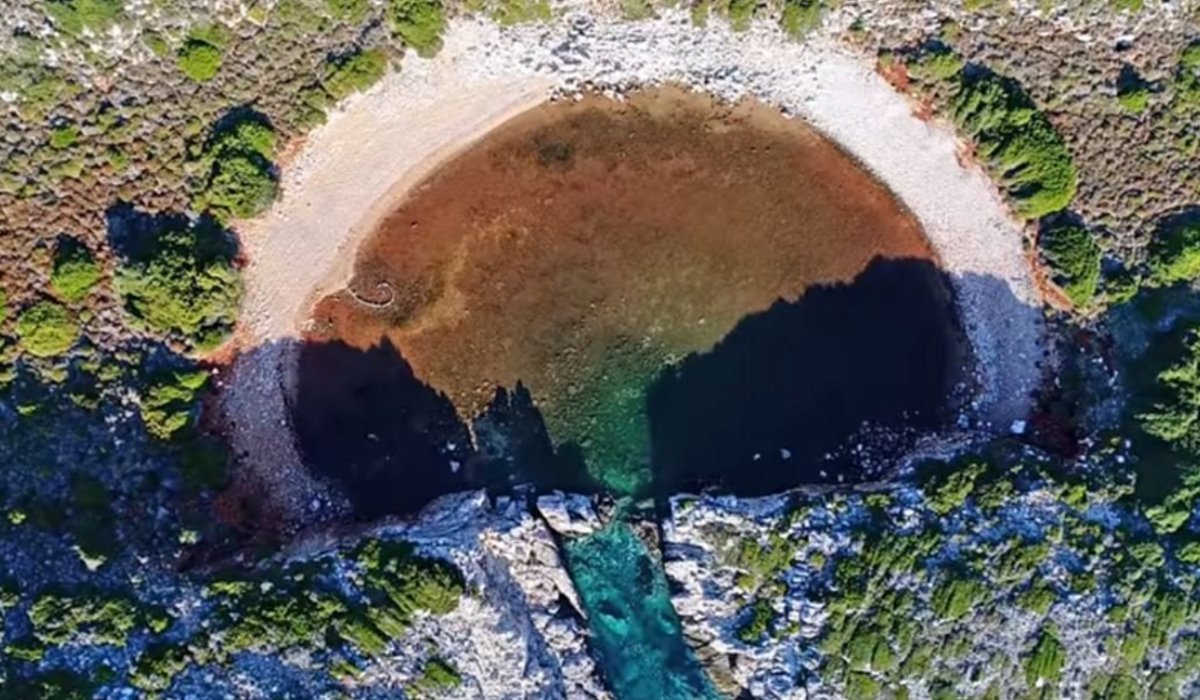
column 587, row 230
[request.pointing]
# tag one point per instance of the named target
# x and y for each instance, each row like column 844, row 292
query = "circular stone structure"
column 353, row 171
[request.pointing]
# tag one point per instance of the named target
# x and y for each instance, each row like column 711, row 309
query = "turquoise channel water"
column 634, row 626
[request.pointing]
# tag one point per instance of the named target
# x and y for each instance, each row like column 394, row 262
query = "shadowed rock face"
column 362, row 418
column 773, row 405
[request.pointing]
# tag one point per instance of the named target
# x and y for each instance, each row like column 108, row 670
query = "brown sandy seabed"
column 592, row 229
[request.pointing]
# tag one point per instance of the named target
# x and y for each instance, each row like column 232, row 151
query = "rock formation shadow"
column 363, row 419
column 393, row 443
column 774, row 403
column 832, row 386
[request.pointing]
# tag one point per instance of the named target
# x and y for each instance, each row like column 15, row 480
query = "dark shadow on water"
column 393, row 443
column 769, row 408
column 772, row 404
column 363, row 419
column 516, row 448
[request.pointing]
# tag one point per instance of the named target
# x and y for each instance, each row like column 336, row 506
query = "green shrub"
column 185, row 286
column 935, row 65
column 1047, row 659
column 354, row 73
column 75, row 271
column 199, row 60
column 46, row 329
column 60, row 619
column 158, row 665
column 168, row 402
column 73, row 16
column 1187, row 76
column 1074, row 259
column 420, row 23
column 239, row 186
column 1174, row 254
column 438, row 676
column 239, row 181
column 1134, row 99
column 948, row 488
column 741, row 14
column 799, row 17
column 762, row 616
column 349, row 11
column 63, row 137
column 1175, row 418
column 1018, row 143
column 957, row 595
column 511, row 12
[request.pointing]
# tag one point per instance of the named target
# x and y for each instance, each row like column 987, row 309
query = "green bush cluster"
column 202, row 53
column 168, row 402
column 1174, row 254
column 1187, row 76
column 512, row 12
column 355, row 72
column 239, row 181
column 75, row 271
column 351, row 12
column 420, row 23
column 935, row 64
column 1074, row 259
column 107, row 618
column 762, row 618
column 1176, row 418
column 73, row 16
column 740, row 13
column 896, row 619
column 158, row 665
column 64, row 136
column 184, row 286
column 437, row 677
column 799, row 17
column 1019, row 144
column 290, row 607
column 46, row 329
column 1046, row 660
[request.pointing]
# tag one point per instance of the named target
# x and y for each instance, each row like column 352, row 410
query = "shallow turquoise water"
column 635, row 628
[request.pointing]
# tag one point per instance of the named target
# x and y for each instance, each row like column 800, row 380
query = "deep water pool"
column 636, row 631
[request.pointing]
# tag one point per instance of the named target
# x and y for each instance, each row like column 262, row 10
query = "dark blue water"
column 634, row 626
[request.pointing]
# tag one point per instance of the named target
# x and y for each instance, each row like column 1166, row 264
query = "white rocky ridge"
column 510, row 637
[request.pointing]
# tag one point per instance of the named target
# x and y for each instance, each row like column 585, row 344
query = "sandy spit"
column 354, row 169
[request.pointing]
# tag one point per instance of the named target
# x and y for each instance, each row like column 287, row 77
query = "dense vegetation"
column 75, row 271
column 46, row 329
column 1074, row 257
column 1018, row 143
column 420, row 23
column 182, row 284
column 240, row 180
column 942, row 593
column 1174, row 254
